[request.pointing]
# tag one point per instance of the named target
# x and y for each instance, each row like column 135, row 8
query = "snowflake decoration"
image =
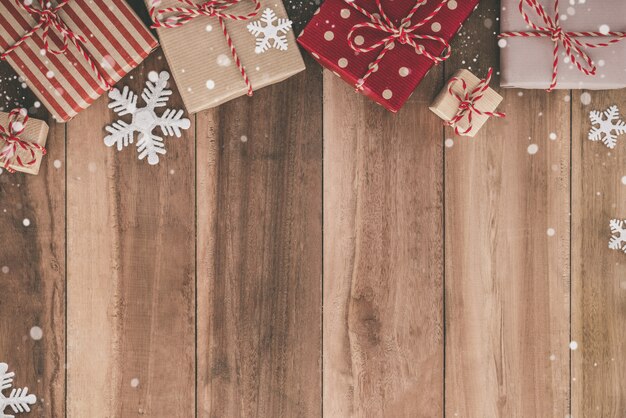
column 618, row 230
column 275, row 29
column 145, row 119
column 608, row 129
column 19, row 399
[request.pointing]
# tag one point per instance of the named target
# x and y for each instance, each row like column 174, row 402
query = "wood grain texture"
column 383, row 255
column 507, row 249
column 32, row 266
column 599, row 274
column 260, row 253
column 131, row 271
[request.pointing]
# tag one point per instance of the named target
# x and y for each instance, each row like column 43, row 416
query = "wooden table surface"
column 305, row 253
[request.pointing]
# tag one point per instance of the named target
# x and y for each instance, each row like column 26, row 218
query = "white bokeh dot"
column 208, row 28
column 134, row 382
column 550, row 232
column 532, row 149
column 223, row 60
column 573, row 345
column 552, row 136
column 585, row 98
column 624, row 180
column 36, row 333
column 210, row 84
column 153, row 76
column 502, row 43
column 26, row 222
column 604, row 29
column 244, row 138
column 5, row 269
column 449, row 143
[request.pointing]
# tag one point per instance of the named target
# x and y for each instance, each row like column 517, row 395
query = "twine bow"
column 9, row 154
column 174, row 17
column 468, row 101
column 574, row 48
column 404, row 34
column 48, row 19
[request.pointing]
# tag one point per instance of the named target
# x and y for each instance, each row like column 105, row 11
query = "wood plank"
column 383, row 255
column 507, row 248
column 32, row 264
column 131, row 270
column 260, row 252
column 599, row 274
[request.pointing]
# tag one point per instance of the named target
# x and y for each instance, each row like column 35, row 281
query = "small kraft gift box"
column 70, row 52
column 467, row 102
column 384, row 47
column 22, row 142
column 220, row 50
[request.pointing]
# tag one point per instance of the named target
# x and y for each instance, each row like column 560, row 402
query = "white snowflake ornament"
column 618, row 238
column 275, row 30
column 19, row 399
column 145, row 120
column 608, row 129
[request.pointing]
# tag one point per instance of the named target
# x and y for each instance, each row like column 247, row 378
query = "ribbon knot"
column 404, row 34
column 175, row 17
column 9, row 154
column 467, row 102
column 48, row 19
column 574, row 47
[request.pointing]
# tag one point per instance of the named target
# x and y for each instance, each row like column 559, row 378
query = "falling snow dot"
column 502, row 43
column 57, row 164
column 601, row 63
column 134, row 382
column 449, row 142
column 585, row 98
column 566, row 98
column 153, row 76
column 26, row 222
column 36, row 333
column 210, row 84
column 223, row 60
column 244, row 138
column 604, row 29
column 18, row 126
column 550, row 232
column 5, row 269
column 208, row 28
column 552, row 136
column 624, row 180
column 573, row 345
column 533, row 148
column 552, row 357
column 50, row 74
column 488, row 23
column 520, row 93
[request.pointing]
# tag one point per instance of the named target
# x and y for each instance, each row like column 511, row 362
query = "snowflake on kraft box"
column 618, row 232
column 18, row 400
column 145, row 120
column 608, row 128
column 275, row 30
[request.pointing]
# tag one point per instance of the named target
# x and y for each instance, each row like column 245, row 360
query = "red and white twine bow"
column 10, row 152
column 405, row 34
column 467, row 102
column 48, row 18
column 174, row 17
column 574, row 48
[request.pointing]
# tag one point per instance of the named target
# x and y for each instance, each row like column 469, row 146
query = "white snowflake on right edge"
column 608, row 129
column 19, row 399
column 618, row 230
column 275, row 29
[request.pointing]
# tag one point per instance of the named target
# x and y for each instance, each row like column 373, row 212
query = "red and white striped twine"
column 9, row 154
column 574, row 47
column 175, row 17
column 467, row 102
column 403, row 34
column 47, row 18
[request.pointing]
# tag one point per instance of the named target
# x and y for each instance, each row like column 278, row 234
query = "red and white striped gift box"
column 116, row 40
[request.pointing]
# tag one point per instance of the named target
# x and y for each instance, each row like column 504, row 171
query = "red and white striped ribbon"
column 467, row 102
column 9, row 154
column 403, row 34
column 574, row 48
column 175, row 17
column 47, row 18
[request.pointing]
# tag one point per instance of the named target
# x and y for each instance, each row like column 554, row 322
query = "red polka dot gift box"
column 384, row 47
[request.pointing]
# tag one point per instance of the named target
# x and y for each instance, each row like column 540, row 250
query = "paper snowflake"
column 19, row 399
column 145, row 120
column 608, row 129
column 275, row 30
column 618, row 231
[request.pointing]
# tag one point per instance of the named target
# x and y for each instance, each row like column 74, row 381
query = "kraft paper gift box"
column 116, row 41
column 446, row 105
column 200, row 57
column 339, row 28
column 34, row 131
column 526, row 62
